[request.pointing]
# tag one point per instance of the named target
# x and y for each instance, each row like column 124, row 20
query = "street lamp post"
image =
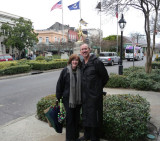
column 122, row 24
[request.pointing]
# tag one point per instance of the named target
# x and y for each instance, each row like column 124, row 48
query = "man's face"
column 85, row 50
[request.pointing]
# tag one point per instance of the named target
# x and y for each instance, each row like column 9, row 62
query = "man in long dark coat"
column 94, row 78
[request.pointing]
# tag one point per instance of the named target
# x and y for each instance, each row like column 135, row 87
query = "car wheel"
column 112, row 63
column 128, row 59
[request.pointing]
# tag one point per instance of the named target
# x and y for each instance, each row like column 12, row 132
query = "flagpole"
column 117, row 35
column 100, row 25
column 117, row 27
column 62, row 22
column 80, row 9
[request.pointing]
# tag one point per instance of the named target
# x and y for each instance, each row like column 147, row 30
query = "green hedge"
column 156, row 65
column 142, row 84
column 157, row 59
column 47, row 65
column 15, row 70
column 136, row 78
column 125, row 117
column 117, row 81
column 7, row 64
column 43, row 104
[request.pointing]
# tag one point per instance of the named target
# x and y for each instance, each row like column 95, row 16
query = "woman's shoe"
column 82, row 139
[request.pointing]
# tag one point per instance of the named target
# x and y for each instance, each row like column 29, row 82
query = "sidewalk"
column 31, row 129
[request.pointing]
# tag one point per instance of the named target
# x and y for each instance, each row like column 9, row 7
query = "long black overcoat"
column 63, row 85
column 94, row 78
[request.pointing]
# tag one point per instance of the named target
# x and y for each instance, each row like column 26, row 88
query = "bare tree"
column 136, row 37
column 95, row 40
column 150, row 10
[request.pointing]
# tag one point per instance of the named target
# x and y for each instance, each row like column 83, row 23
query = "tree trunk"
column 148, row 65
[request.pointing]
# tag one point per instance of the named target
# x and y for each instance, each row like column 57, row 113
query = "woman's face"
column 74, row 63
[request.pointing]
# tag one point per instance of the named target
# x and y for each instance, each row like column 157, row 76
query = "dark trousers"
column 72, row 122
column 91, row 133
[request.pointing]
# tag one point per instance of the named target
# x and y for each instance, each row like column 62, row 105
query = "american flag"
column 58, row 5
column 117, row 11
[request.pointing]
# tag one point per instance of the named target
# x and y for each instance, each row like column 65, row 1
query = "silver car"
column 109, row 58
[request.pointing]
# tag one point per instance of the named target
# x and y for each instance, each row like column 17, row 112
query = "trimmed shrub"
column 7, row 64
column 117, row 81
column 47, row 65
column 142, row 84
column 40, row 58
column 138, row 75
column 130, row 70
column 156, row 65
column 60, row 59
column 125, row 117
column 55, row 56
column 23, row 61
column 43, row 104
column 157, row 59
column 15, row 70
column 136, row 78
column 48, row 58
column 154, row 77
column 156, row 86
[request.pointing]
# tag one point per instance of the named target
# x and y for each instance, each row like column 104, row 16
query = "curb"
column 26, row 74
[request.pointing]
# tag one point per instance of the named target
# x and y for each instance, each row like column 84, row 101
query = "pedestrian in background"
column 69, row 87
column 94, row 78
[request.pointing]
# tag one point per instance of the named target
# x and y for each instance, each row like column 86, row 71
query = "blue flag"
column 74, row 6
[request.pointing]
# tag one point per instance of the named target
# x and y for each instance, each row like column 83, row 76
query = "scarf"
column 75, row 87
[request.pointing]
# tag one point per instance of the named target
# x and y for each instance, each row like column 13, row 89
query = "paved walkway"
column 31, row 129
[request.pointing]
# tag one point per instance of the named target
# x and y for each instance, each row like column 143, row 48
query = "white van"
column 137, row 54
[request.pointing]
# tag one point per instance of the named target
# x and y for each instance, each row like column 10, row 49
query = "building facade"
column 72, row 35
column 7, row 18
column 51, row 36
column 55, row 34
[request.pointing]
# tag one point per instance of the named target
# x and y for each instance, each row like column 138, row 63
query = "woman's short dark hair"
column 72, row 57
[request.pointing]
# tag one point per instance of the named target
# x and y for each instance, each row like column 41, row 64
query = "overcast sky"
column 38, row 11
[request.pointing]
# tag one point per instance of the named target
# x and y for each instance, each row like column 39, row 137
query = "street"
column 126, row 64
column 20, row 95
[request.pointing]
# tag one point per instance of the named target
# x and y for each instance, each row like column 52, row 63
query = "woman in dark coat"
column 69, row 87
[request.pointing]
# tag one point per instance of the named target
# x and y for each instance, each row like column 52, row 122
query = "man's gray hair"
column 85, row 45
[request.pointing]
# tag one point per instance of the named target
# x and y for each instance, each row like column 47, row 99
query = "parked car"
column 6, row 57
column 109, row 58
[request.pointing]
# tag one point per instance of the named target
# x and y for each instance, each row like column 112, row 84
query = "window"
column 106, row 54
column 47, row 40
column 40, row 39
column 115, row 54
column 129, row 50
column 110, row 54
column 55, row 39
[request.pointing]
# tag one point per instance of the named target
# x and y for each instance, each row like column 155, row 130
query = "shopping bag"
column 45, row 111
column 51, row 114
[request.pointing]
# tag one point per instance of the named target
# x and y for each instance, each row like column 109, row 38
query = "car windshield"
column 105, row 54
column 129, row 50
column 7, row 57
